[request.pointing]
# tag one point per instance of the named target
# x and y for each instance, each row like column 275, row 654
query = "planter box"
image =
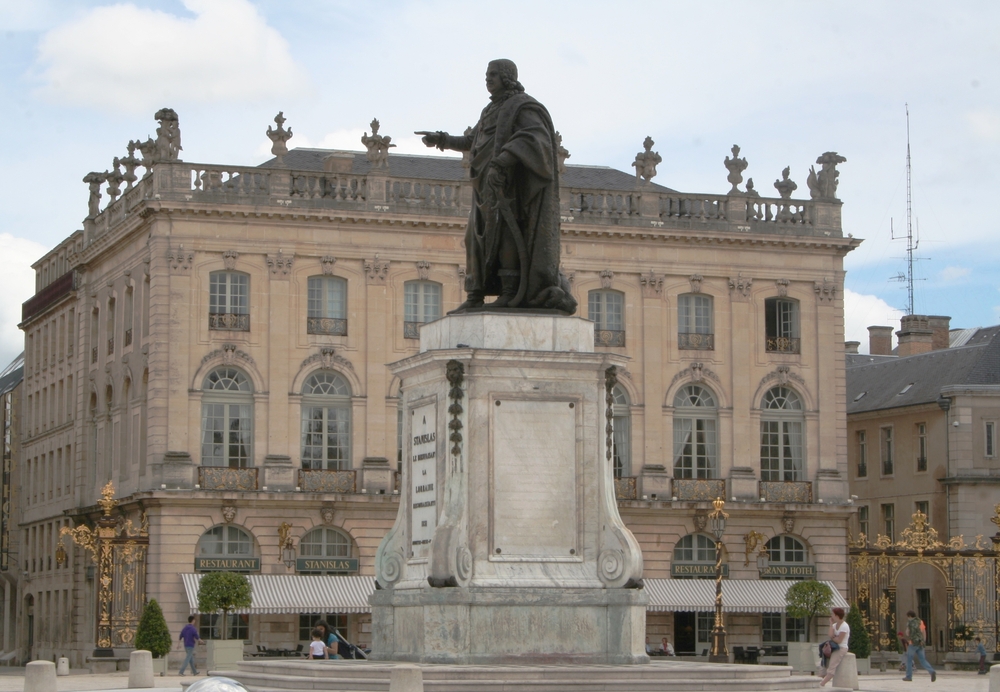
column 160, row 666
column 224, row 655
column 802, row 656
column 864, row 666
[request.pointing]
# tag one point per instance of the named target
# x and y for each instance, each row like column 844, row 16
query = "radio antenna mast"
column 911, row 246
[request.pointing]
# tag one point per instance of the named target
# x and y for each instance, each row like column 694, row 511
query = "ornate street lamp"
column 763, row 560
column 719, row 652
column 287, row 544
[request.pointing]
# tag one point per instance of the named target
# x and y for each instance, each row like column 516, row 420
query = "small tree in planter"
column 861, row 643
column 807, row 599
column 152, row 633
column 223, row 591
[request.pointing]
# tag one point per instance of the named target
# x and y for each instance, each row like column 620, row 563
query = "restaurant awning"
column 291, row 593
column 738, row 595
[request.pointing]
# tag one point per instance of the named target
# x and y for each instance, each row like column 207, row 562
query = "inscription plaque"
column 423, row 477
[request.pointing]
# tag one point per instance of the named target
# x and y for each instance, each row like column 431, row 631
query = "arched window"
column 606, row 309
column 695, row 328
column 781, row 424
column 225, row 541
column 694, row 557
column 621, row 452
column 326, row 544
column 229, row 301
column 227, row 419
column 786, row 550
column 695, row 433
column 422, row 303
column 327, row 310
column 326, row 422
column 781, row 325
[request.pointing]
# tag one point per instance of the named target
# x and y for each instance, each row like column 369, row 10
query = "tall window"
column 921, row 446
column 327, row 312
column 606, row 309
column 227, row 419
column 225, row 541
column 325, row 544
column 990, row 446
column 422, row 303
column 781, row 324
column 621, row 452
column 110, row 328
column 237, row 626
column 695, row 330
column 887, row 444
column 95, row 320
column 127, row 316
column 778, row 628
column 889, row 521
column 695, row 433
column 863, row 520
column 786, row 550
column 924, row 507
column 862, row 454
column 695, row 549
column 781, row 423
column 229, row 301
column 326, row 422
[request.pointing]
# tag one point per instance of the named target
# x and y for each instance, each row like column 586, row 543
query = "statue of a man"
column 512, row 240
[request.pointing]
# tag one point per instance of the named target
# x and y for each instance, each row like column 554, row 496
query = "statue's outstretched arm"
column 444, row 141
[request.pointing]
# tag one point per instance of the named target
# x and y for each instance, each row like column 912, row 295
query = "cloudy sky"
column 784, row 80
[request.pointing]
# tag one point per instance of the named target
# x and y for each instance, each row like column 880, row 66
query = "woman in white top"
column 840, row 632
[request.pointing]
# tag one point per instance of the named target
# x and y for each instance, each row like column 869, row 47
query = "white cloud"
column 954, row 273
column 862, row 311
column 17, row 284
column 122, row 57
column 985, row 124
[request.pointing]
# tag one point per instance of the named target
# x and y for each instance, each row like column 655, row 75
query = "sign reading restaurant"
column 313, row 564
column 227, row 564
column 706, row 570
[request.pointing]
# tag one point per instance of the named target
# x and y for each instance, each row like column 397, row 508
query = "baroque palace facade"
column 214, row 344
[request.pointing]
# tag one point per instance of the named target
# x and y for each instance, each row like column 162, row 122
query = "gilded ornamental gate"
column 119, row 552
column 970, row 572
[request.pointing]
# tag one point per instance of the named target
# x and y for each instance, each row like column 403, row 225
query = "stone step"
column 661, row 677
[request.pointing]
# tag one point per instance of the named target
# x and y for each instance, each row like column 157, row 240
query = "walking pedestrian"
column 189, row 635
column 981, row 650
column 840, row 633
column 915, row 636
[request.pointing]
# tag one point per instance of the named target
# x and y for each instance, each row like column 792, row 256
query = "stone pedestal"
column 846, row 676
column 377, row 475
column 279, row 474
column 62, row 667
column 40, row 676
column 508, row 546
column 140, row 669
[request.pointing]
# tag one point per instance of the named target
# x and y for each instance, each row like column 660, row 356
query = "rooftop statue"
column 646, row 161
column 168, row 135
column 378, row 146
column 823, row 185
column 512, row 240
column 735, row 166
column 279, row 137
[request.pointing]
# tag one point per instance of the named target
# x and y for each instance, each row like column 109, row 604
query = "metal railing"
column 784, row 344
column 331, row 326
column 323, row 481
column 609, row 337
column 696, row 342
column 222, row 478
column 699, row 489
column 786, row 491
column 229, row 321
column 625, row 488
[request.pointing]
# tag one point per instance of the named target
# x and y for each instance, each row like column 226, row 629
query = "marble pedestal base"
column 505, row 626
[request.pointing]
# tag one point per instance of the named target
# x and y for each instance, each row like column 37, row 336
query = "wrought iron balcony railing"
column 786, row 491
column 784, row 344
column 699, row 489
column 696, row 342
column 224, row 478
column 323, row 481
column 331, row 326
column 625, row 488
column 609, row 337
column 229, row 321
column 111, row 346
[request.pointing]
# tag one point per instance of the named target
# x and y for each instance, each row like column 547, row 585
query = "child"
column 317, row 647
column 981, row 650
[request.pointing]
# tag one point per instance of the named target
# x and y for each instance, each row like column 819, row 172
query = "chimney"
column 851, row 347
column 880, row 341
column 941, row 326
column 915, row 335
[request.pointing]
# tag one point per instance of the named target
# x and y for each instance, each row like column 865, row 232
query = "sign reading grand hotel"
column 423, row 477
column 227, row 564
column 789, row 571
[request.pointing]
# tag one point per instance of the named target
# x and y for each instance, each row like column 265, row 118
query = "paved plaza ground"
column 12, row 680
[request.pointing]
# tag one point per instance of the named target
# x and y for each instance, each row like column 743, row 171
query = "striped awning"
column 738, row 595
column 287, row 593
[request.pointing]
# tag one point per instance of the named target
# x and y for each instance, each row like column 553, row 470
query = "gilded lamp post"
column 719, row 652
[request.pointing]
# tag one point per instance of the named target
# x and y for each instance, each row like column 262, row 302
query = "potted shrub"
column 225, row 592
column 861, row 643
column 153, row 636
column 806, row 599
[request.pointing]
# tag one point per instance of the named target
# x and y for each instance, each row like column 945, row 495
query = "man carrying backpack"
column 915, row 633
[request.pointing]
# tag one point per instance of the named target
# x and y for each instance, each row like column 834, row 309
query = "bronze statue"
column 512, row 240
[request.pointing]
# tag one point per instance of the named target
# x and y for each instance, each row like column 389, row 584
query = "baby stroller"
column 348, row 650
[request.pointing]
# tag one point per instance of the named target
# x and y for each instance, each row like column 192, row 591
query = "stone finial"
column 735, row 166
column 131, row 163
column 823, row 185
column 94, row 179
column 168, row 135
column 562, row 153
column 148, row 151
column 751, row 192
column 378, row 146
column 646, row 161
column 115, row 179
column 279, row 138
column 785, row 187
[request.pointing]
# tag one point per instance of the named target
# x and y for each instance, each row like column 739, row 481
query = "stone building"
column 11, row 409
column 214, row 342
column 922, row 432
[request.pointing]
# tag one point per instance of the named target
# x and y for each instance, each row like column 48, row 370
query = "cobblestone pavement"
column 12, row 680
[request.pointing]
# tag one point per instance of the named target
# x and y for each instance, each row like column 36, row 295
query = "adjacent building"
column 214, row 343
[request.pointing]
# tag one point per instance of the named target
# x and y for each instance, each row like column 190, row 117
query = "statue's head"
column 501, row 76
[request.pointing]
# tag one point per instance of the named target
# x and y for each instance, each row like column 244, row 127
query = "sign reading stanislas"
column 316, row 564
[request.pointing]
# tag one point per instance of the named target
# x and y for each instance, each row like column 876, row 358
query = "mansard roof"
column 886, row 383
column 450, row 168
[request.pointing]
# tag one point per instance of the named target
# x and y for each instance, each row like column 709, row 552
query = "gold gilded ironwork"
column 317, row 481
column 220, row 478
column 625, row 488
column 786, row 491
column 750, row 542
column 698, row 489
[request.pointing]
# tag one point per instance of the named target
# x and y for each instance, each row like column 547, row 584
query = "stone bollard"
column 40, row 676
column 62, row 668
column 846, row 676
column 140, row 669
column 994, row 679
column 410, row 678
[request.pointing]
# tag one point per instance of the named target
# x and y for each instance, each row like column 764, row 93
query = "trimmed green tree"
column 861, row 642
column 152, row 633
column 223, row 591
column 807, row 599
